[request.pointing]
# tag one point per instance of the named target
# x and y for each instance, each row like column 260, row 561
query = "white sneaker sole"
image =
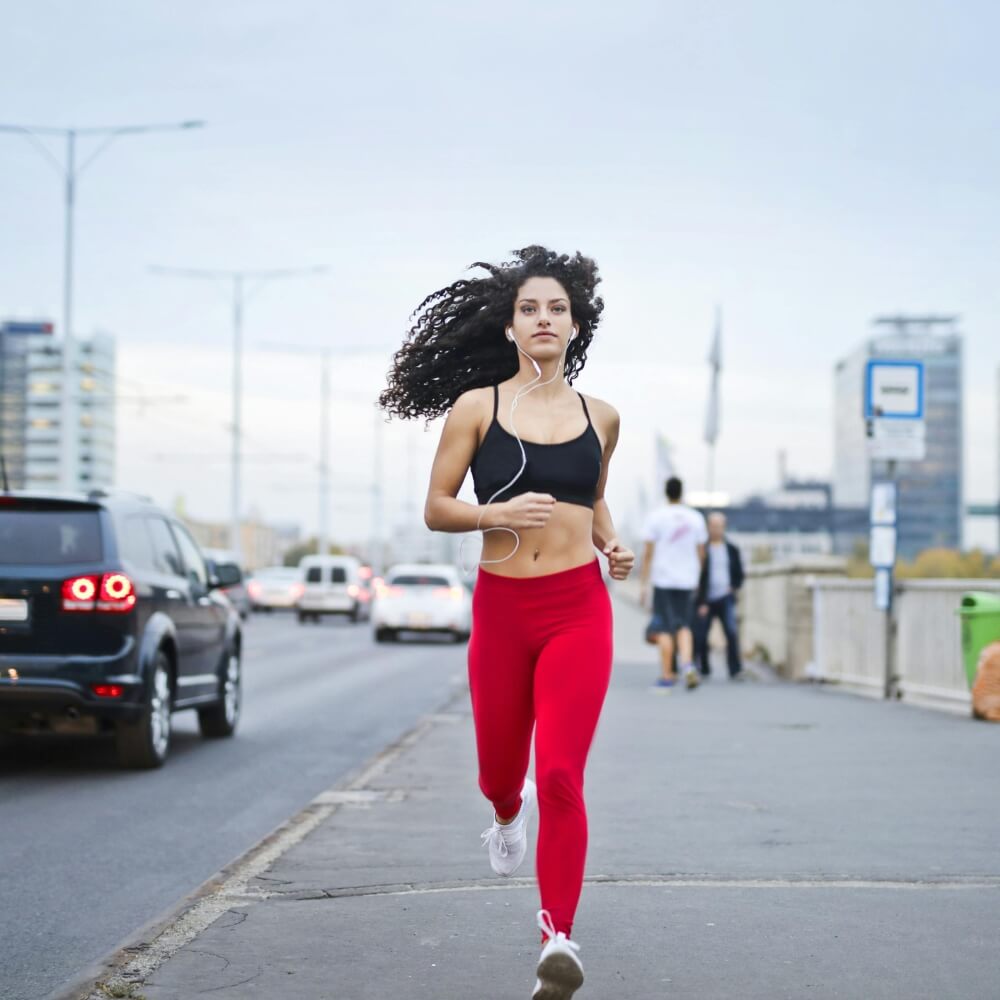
column 559, row 977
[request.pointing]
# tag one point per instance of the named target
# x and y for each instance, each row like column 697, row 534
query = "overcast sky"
column 806, row 166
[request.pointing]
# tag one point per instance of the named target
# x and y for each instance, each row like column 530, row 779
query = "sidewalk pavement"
column 747, row 841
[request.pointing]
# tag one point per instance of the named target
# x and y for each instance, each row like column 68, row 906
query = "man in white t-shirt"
column 675, row 537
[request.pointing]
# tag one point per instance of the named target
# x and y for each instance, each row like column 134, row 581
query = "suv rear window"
column 314, row 574
column 49, row 537
column 412, row 580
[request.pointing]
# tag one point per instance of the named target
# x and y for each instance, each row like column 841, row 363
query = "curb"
column 136, row 958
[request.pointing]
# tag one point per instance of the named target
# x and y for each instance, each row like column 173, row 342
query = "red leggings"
column 540, row 658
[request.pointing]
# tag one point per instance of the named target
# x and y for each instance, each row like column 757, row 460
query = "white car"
column 333, row 585
column 275, row 587
column 422, row 598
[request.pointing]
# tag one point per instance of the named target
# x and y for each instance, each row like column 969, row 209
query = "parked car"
column 275, row 587
column 333, row 585
column 422, row 598
column 226, row 566
column 110, row 620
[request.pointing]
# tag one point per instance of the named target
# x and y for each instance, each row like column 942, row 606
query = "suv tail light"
column 117, row 593
column 80, row 593
column 112, row 593
column 452, row 593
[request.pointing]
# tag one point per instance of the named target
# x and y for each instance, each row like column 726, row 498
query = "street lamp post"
column 376, row 490
column 239, row 280
column 69, row 172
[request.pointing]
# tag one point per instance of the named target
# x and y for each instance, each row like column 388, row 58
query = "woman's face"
column 542, row 322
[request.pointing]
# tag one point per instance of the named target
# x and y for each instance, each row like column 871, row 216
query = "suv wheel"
column 220, row 720
column 145, row 743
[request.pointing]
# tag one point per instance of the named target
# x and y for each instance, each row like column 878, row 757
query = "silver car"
column 275, row 587
column 422, row 598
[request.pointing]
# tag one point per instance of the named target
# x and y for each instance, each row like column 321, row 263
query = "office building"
column 31, row 407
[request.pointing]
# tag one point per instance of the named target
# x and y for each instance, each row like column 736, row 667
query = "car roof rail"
column 110, row 492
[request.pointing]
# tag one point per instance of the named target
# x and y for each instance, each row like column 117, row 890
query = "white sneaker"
column 509, row 844
column 560, row 973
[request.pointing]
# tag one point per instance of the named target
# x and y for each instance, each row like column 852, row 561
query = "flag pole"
column 712, row 415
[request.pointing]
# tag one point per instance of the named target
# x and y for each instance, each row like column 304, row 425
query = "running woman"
column 499, row 353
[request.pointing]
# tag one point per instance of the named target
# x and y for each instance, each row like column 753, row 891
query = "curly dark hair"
column 457, row 340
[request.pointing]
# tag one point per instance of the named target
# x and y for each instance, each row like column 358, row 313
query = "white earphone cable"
column 518, row 396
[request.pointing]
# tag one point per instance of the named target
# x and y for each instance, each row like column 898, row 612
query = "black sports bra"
column 569, row 470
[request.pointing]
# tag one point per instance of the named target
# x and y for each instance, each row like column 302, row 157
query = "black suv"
column 110, row 619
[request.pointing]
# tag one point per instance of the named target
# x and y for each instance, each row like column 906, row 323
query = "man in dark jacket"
column 721, row 579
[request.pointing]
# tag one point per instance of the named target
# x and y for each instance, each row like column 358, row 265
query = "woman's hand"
column 529, row 510
column 620, row 559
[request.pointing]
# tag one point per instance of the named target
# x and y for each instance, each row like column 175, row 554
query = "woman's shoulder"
column 601, row 410
column 473, row 406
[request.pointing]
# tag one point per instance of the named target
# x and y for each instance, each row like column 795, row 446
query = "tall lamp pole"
column 70, row 173
column 240, row 281
column 323, row 539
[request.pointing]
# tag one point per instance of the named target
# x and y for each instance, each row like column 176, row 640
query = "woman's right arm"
column 458, row 444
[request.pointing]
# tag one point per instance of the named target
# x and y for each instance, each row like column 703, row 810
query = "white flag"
column 664, row 462
column 715, row 364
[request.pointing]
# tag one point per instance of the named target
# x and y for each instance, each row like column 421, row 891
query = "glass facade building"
column 31, row 410
column 930, row 491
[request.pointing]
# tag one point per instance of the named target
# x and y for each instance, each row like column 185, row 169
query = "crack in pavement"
column 943, row 883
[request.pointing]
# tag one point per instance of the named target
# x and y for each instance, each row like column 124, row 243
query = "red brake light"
column 254, row 588
column 117, row 593
column 107, row 690
column 80, row 593
column 112, row 592
column 353, row 590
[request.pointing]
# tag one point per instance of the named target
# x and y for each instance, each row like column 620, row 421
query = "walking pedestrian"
column 499, row 354
column 674, row 552
column 718, row 589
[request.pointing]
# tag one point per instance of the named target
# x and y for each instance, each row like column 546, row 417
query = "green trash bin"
column 980, row 614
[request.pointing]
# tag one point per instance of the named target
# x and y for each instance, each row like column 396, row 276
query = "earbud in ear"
column 510, row 335
column 573, row 335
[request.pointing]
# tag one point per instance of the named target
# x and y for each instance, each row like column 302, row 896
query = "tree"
column 308, row 548
column 944, row 564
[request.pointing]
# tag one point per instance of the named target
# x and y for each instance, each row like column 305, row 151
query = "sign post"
column 894, row 418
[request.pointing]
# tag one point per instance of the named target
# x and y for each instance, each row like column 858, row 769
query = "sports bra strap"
column 496, row 405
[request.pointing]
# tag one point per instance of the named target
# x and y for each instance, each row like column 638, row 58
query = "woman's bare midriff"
column 564, row 543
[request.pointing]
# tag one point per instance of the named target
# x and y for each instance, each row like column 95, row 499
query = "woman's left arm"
column 620, row 559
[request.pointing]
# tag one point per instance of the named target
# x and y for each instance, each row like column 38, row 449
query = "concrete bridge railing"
column 813, row 623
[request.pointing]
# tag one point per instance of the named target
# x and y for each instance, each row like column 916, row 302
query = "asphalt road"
column 89, row 853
